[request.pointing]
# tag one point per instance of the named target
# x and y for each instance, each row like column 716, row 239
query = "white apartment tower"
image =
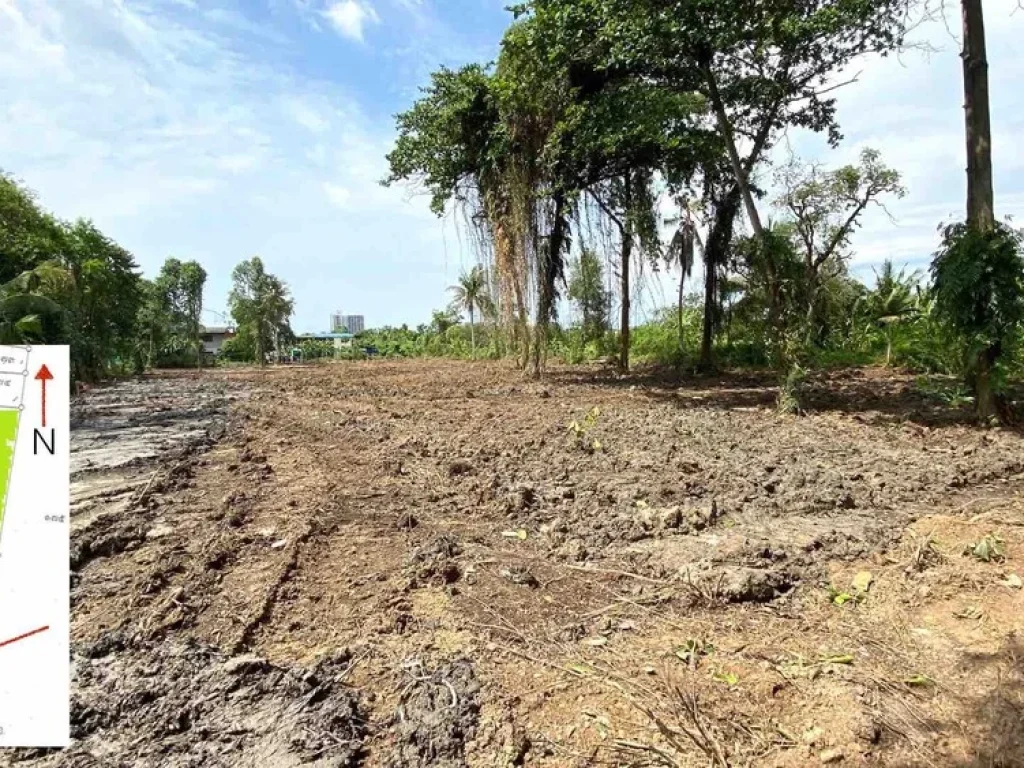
column 351, row 323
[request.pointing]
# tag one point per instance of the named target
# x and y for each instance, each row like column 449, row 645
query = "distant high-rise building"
column 350, row 323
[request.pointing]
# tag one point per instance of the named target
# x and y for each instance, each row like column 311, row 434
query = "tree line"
column 596, row 110
column 69, row 283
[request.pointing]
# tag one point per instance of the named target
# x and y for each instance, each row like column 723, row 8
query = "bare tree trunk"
column 472, row 333
column 725, row 127
column 626, row 233
column 627, row 256
column 710, row 293
column 726, row 208
column 743, row 184
column 812, row 305
column 550, row 268
column 682, row 280
column 980, row 195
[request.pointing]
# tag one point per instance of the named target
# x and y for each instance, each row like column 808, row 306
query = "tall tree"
column 725, row 206
column 980, row 196
column 825, row 208
column 979, row 269
column 178, row 293
column 892, row 301
column 681, row 252
column 472, row 294
column 759, row 67
column 260, row 305
column 101, row 299
column 28, row 235
column 588, row 293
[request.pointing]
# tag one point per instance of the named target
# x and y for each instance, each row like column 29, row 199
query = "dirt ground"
column 423, row 564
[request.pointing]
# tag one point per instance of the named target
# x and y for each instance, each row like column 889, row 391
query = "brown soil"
column 420, row 564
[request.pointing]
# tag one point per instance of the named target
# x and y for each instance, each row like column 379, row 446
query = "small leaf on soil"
column 862, row 581
column 970, row 612
column 840, row 598
column 988, row 549
column 596, row 642
column 919, row 681
column 845, row 658
column 519, row 534
column 812, row 736
column 729, row 678
column 1013, row 581
column 581, row 669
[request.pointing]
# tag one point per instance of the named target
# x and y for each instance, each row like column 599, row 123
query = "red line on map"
column 22, row 637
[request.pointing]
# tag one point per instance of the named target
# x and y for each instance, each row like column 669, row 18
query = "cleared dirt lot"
column 421, row 564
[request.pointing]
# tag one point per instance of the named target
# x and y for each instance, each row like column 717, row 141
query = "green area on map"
column 8, row 432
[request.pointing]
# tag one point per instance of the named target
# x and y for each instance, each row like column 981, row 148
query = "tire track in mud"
column 314, row 535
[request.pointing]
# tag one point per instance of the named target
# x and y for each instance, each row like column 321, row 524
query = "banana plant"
column 23, row 306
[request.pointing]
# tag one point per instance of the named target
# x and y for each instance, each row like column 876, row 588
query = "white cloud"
column 308, row 117
column 337, row 194
column 184, row 136
column 349, row 17
column 237, row 163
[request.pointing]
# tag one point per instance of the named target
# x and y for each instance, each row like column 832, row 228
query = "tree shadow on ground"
column 872, row 395
column 996, row 722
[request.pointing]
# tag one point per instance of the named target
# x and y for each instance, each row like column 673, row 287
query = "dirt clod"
column 437, row 716
column 166, row 704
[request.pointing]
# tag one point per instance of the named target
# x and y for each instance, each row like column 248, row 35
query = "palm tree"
column 681, row 252
column 892, row 301
column 470, row 294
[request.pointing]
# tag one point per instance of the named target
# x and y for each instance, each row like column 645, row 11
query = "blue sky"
column 221, row 129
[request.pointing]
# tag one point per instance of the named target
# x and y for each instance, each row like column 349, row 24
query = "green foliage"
column 472, row 293
column 825, row 206
column 261, row 307
column 318, row 349
column 955, row 395
column 789, row 398
column 66, row 283
column 240, row 348
column 988, row 549
column 579, row 431
column 169, row 316
column 28, row 235
column 657, row 342
column 587, row 292
column 450, row 136
column 979, row 285
column 101, row 301
column 24, row 308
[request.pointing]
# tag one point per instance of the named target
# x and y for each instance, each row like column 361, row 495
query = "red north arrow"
column 44, row 376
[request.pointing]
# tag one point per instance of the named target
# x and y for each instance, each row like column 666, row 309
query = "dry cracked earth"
column 422, row 563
